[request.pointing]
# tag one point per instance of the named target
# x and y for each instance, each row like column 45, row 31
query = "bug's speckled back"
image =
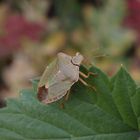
column 58, row 77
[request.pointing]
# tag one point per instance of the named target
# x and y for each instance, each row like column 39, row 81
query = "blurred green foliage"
column 91, row 27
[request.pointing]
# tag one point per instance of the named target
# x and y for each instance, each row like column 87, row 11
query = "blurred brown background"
column 32, row 32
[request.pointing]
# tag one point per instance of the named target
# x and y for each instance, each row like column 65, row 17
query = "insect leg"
column 86, row 84
column 62, row 106
column 67, row 95
column 86, row 76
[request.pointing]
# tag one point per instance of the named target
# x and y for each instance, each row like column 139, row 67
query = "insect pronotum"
column 59, row 76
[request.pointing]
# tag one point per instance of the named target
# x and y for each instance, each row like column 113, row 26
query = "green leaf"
column 136, row 102
column 103, row 87
column 87, row 115
column 136, row 105
column 124, row 89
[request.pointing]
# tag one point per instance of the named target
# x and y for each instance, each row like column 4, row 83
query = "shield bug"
column 59, row 76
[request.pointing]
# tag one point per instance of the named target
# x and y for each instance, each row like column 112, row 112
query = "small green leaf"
column 124, row 89
column 103, row 87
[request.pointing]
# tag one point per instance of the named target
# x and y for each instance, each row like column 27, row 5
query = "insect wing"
column 49, row 74
column 57, row 91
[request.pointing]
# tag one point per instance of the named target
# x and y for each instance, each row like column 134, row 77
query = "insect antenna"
column 103, row 55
